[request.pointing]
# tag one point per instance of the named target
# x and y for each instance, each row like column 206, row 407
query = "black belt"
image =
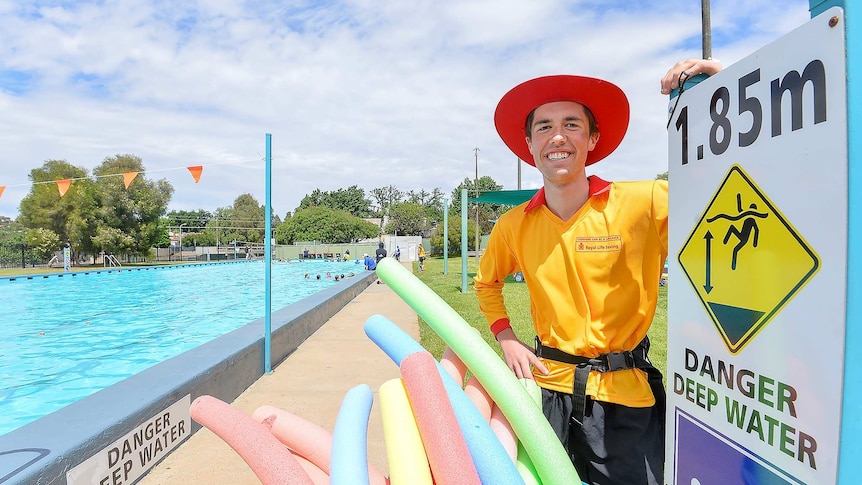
column 609, row 362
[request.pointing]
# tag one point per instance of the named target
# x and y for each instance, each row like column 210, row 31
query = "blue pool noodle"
column 490, row 458
column 349, row 455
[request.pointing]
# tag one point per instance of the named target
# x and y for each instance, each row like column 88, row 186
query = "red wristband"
column 499, row 326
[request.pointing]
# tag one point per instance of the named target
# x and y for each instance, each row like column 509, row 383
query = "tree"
column 135, row 211
column 325, row 225
column 13, row 242
column 245, row 220
column 351, row 200
column 487, row 212
column 385, row 198
column 454, row 236
column 407, row 218
column 43, row 242
column 191, row 220
column 114, row 241
column 44, row 208
column 661, row 176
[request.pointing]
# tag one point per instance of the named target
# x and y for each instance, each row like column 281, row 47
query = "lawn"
column 448, row 287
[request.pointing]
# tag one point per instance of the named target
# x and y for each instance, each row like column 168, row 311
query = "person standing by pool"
column 381, row 252
column 421, row 258
column 590, row 252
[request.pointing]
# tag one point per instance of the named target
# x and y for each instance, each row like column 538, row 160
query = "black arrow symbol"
column 708, row 236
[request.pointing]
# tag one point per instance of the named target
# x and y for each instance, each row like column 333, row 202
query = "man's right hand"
column 519, row 357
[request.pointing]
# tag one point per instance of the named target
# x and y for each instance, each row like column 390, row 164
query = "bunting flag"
column 63, row 186
column 196, row 172
column 128, row 177
column 2, row 188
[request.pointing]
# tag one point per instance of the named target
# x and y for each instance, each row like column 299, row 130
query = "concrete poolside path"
column 310, row 383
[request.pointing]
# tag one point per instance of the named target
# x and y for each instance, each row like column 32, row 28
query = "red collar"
column 597, row 186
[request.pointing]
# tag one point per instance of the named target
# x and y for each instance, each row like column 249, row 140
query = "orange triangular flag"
column 128, row 177
column 63, row 186
column 2, row 188
column 196, row 172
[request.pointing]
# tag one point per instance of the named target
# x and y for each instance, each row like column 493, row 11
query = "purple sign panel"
column 706, row 457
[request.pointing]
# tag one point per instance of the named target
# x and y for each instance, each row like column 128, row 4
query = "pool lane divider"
column 122, row 269
column 550, row 460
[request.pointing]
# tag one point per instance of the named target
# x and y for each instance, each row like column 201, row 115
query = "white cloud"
column 354, row 92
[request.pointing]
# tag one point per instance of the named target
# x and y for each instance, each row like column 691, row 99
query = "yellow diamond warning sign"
column 744, row 260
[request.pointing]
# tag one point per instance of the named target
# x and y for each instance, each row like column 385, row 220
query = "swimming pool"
column 66, row 338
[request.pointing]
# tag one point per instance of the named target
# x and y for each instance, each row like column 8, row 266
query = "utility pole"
column 476, row 155
column 519, row 172
column 706, row 29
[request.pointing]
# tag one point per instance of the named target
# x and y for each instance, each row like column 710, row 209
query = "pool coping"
column 223, row 367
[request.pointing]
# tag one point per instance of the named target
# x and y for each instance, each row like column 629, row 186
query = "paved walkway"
column 310, row 383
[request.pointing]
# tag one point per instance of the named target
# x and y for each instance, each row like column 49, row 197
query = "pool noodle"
column 270, row 461
column 350, row 439
column 496, row 420
column 479, row 398
column 444, row 443
column 408, row 462
column 453, row 366
column 318, row 476
column 523, row 462
column 533, row 430
column 300, row 435
column 488, row 454
column 305, row 438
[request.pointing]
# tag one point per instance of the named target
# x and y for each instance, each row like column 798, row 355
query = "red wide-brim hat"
column 608, row 103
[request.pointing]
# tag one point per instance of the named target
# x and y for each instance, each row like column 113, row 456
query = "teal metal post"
column 464, row 240
column 267, row 339
column 850, row 444
column 445, row 236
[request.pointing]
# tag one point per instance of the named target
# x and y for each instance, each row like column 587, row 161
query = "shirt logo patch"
column 599, row 244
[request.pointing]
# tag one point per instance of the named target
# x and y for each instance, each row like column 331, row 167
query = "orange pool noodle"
column 265, row 455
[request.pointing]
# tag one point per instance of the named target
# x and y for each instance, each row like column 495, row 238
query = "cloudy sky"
column 354, row 92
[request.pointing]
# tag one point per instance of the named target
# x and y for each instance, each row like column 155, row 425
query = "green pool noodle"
column 534, row 432
column 523, row 463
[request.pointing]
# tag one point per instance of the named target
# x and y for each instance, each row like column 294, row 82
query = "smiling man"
column 591, row 252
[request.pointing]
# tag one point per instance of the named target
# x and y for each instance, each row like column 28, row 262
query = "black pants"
column 615, row 445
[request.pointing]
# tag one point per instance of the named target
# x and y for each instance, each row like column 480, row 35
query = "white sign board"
column 758, row 253
column 128, row 458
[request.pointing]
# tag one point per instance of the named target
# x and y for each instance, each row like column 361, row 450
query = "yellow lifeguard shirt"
column 593, row 280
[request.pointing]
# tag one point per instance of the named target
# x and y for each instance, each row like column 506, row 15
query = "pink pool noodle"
column 306, row 439
column 479, row 397
column 503, row 430
column 496, row 420
column 444, row 443
column 454, row 366
column 265, row 455
column 318, row 476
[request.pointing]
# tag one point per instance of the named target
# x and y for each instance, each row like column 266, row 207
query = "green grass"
column 448, row 287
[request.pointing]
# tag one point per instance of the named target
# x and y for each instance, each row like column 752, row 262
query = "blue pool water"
column 64, row 338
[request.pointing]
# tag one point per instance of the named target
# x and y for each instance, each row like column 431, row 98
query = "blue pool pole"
column 267, row 339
